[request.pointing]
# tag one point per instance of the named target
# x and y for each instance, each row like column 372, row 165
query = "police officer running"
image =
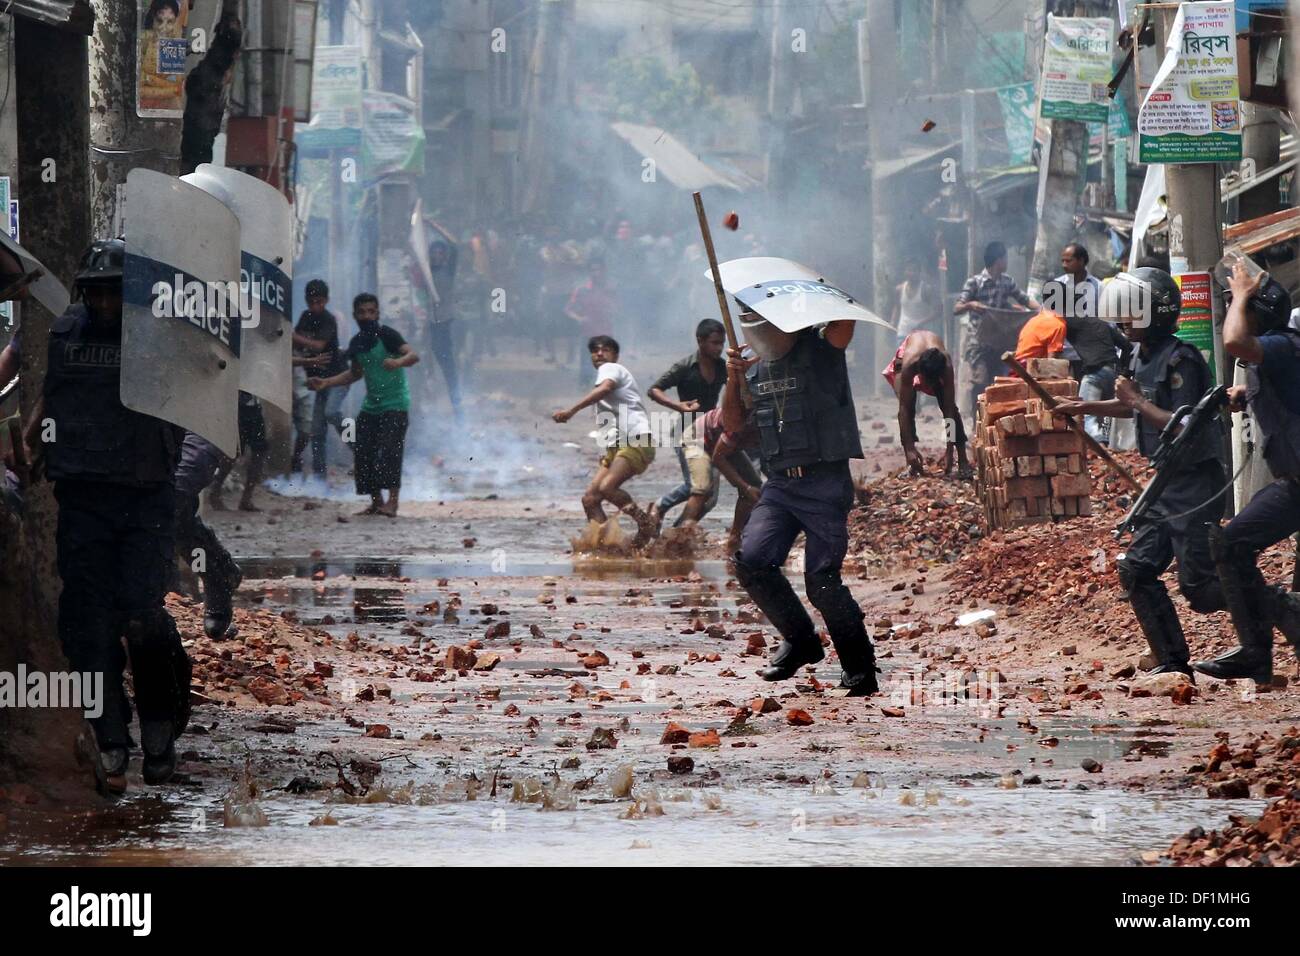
column 112, row 470
column 1166, row 374
column 1257, row 333
column 808, row 431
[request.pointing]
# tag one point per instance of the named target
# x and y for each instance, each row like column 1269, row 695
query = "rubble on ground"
column 1265, row 766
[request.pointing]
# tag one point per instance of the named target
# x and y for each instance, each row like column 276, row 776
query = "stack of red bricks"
column 1030, row 468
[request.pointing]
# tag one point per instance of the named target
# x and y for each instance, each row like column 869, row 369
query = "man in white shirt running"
column 625, row 435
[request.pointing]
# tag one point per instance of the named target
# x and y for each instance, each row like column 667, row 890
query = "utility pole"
column 1196, row 225
column 52, row 101
column 1065, row 174
column 881, row 39
column 119, row 139
column 543, row 89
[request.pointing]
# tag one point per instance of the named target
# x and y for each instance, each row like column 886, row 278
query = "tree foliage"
column 645, row 90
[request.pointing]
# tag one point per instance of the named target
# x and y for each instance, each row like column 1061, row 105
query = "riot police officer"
column 112, row 470
column 1257, row 332
column 808, row 431
column 199, row 462
column 1165, row 373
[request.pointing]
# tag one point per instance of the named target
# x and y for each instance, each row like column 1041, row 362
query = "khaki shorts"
column 704, row 477
column 639, row 457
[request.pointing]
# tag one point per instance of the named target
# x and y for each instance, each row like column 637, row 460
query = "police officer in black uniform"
column 1166, row 373
column 1257, row 333
column 199, row 462
column 112, row 470
column 808, row 431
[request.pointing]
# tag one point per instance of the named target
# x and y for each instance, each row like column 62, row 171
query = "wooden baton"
column 1046, row 396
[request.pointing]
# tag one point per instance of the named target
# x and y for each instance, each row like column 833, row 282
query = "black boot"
column 1283, row 610
column 844, row 621
column 219, row 586
column 1248, row 603
column 776, row 598
column 1160, row 625
column 156, row 739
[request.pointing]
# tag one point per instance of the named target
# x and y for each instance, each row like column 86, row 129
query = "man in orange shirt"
column 1043, row 336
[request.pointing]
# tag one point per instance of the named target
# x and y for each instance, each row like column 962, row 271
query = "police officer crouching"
column 808, row 431
column 1166, row 374
column 112, row 470
column 1256, row 332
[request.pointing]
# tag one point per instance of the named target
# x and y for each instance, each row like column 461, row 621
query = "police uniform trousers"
column 115, row 543
column 198, row 464
column 1173, row 534
column 817, row 504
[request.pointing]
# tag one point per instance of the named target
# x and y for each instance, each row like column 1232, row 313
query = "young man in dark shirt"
column 316, row 352
column 380, row 355
column 698, row 379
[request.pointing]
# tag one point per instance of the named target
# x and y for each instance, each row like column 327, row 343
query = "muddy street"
column 457, row 686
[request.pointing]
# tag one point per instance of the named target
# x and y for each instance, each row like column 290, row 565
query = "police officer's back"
column 1257, row 333
column 112, row 470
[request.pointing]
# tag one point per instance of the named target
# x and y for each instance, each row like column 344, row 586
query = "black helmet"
column 1146, row 297
column 101, row 262
column 1271, row 306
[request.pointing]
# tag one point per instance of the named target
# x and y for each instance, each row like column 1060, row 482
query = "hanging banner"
column 1018, row 104
column 393, row 138
column 1076, row 68
column 1192, row 113
column 335, row 99
column 160, row 63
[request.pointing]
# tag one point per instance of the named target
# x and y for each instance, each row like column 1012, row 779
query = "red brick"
column 1071, row 486
column 1058, row 443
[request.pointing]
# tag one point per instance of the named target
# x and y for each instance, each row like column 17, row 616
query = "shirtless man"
column 922, row 364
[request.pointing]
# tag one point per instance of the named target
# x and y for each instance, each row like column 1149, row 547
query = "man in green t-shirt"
column 378, row 354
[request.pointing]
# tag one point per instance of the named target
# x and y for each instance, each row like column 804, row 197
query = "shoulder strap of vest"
column 68, row 320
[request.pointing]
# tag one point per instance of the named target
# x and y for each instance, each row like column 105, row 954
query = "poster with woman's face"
column 160, row 66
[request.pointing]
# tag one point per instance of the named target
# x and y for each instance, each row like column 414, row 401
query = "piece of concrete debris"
column 1161, row 685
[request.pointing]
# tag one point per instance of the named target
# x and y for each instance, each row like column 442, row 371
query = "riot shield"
column 47, row 290
column 790, row 296
column 266, row 292
column 180, row 326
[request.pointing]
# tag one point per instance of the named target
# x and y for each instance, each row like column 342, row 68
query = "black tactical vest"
column 803, row 406
column 1279, row 426
column 96, row 438
column 1155, row 376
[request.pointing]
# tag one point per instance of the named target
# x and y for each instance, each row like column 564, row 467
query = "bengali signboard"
column 335, row 99
column 1192, row 114
column 1196, row 318
column 1076, row 68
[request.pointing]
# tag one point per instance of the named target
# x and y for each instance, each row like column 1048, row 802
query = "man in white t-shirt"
column 625, row 437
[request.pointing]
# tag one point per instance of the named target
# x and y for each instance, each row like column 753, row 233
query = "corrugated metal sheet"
column 73, row 15
column 678, row 164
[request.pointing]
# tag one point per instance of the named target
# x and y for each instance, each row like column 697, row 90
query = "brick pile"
column 1030, row 468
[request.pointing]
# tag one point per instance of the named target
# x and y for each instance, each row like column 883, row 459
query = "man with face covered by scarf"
column 380, row 355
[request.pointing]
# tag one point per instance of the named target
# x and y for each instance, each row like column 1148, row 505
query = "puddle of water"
column 1064, row 742
column 765, row 826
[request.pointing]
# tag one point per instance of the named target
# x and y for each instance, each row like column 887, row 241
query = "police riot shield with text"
column 180, row 325
column 266, row 292
column 789, row 295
